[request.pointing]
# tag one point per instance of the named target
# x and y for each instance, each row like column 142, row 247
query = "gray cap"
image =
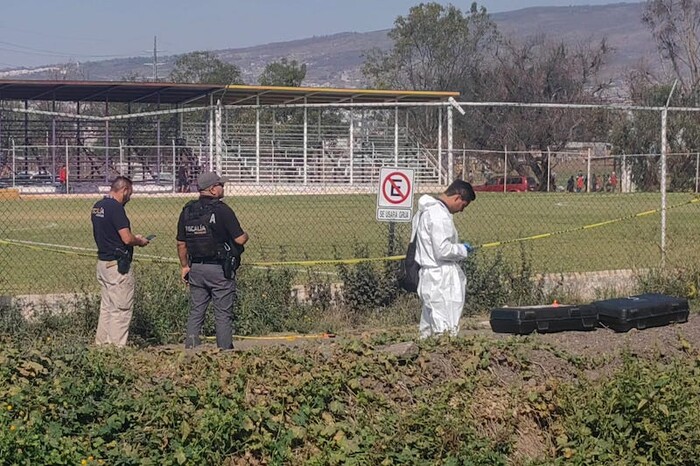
column 208, row 179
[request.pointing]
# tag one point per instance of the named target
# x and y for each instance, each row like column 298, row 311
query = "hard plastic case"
column 641, row 311
column 545, row 319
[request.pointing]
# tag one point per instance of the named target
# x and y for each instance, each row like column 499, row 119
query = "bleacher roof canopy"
column 199, row 94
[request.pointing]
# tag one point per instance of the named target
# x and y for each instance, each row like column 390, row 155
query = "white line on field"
column 48, row 226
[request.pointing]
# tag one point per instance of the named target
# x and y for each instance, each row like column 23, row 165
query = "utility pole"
column 155, row 59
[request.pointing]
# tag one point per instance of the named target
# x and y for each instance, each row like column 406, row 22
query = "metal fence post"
column 549, row 168
column 450, row 158
column 697, row 171
column 505, row 167
column 588, row 172
column 664, row 119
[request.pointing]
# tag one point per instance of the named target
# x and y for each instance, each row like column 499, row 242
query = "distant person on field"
column 579, row 183
column 111, row 229
column 613, row 182
column 63, row 178
column 183, row 183
column 208, row 235
column 442, row 283
column 570, row 184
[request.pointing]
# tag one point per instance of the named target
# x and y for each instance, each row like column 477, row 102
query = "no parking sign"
column 395, row 194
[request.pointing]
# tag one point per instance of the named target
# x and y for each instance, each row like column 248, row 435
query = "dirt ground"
column 600, row 343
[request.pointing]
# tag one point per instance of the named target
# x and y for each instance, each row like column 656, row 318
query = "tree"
column 283, row 73
column 438, row 48
column 441, row 48
column 675, row 26
column 540, row 70
column 435, row 47
column 204, row 68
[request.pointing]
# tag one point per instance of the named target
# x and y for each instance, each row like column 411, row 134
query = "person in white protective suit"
column 442, row 283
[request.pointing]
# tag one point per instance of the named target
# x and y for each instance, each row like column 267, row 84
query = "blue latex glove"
column 469, row 247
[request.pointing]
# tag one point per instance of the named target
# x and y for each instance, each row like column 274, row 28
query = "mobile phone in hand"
column 150, row 237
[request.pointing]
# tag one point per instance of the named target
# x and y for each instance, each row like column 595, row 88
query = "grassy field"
column 331, row 226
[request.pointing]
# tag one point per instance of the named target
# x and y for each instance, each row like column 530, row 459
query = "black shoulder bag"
column 409, row 268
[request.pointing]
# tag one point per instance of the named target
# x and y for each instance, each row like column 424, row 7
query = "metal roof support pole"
column 352, row 144
column 26, row 137
column 219, row 138
column 53, row 141
column 450, row 156
column 158, row 153
column 182, row 121
column 439, row 146
column 257, row 140
column 67, row 170
column 306, row 140
column 211, row 132
column 107, row 142
column 53, row 147
column 174, row 166
column 14, row 163
column 664, row 149
column 77, row 144
column 396, row 136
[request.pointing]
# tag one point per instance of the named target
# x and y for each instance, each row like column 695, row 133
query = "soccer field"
column 331, row 226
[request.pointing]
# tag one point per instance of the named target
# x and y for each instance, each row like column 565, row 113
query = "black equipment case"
column 545, row 319
column 641, row 311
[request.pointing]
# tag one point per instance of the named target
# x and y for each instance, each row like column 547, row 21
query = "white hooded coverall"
column 441, row 284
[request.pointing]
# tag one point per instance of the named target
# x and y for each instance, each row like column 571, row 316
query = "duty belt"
column 206, row 260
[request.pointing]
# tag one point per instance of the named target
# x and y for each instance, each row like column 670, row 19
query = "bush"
column 493, row 282
column 682, row 282
column 264, row 299
column 368, row 285
column 646, row 414
column 161, row 306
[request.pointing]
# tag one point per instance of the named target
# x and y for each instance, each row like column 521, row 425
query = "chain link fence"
column 601, row 221
column 306, row 193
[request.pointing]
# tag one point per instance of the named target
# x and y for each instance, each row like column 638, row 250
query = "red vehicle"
column 514, row 184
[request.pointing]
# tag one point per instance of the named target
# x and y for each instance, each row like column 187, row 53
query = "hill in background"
column 336, row 60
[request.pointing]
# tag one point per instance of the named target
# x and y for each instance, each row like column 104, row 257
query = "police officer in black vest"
column 209, row 244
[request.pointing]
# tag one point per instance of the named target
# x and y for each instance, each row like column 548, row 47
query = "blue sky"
column 39, row 32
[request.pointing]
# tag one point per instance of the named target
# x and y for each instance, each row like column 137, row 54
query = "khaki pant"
column 116, row 305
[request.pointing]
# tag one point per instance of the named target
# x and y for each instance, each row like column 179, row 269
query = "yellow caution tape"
column 586, row 227
column 322, row 336
column 310, row 263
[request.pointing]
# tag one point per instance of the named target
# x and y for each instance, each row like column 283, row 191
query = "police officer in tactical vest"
column 209, row 244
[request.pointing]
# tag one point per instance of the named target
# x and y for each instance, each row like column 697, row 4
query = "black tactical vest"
column 199, row 220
